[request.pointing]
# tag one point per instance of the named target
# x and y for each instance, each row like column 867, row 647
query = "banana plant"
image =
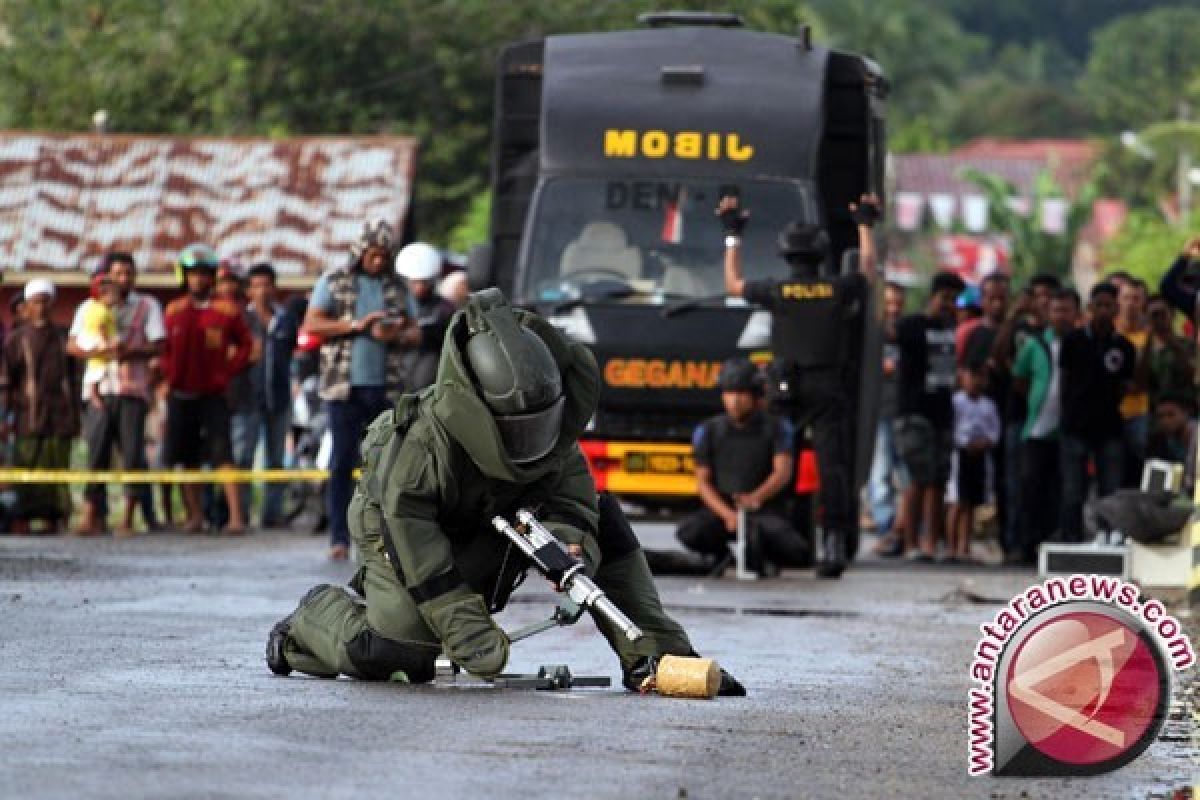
column 1033, row 249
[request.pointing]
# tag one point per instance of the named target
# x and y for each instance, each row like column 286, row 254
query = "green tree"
column 1141, row 66
column 893, row 34
column 1147, row 245
column 1067, row 24
column 472, row 229
column 998, row 107
column 238, row 67
column 1034, row 250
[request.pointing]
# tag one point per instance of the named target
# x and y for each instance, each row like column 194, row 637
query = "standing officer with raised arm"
column 810, row 322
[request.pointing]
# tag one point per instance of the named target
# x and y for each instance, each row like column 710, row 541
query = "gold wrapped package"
column 680, row 676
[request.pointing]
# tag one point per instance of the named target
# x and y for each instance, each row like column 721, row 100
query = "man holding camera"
column 811, row 316
column 363, row 313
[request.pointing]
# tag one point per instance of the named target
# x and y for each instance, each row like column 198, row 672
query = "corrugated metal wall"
column 298, row 203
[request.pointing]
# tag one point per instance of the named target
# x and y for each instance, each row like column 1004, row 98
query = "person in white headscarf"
column 38, row 385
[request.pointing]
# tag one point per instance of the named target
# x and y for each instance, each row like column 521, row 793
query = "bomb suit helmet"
column 517, row 377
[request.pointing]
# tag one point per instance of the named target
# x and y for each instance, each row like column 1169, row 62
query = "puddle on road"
column 198, row 603
column 752, row 611
column 747, row 611
column 20, row 568
column 963, row 595
column 1180, row 728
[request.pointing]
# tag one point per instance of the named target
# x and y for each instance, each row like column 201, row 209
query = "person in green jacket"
column 497, row 431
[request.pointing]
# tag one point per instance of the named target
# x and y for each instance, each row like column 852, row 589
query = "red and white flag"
column 672, row 229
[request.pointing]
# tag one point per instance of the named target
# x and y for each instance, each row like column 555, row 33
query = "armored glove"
column 733, row 220
column 466, row 629
column 866, row 211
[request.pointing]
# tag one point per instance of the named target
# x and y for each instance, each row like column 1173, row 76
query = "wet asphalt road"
column 134, row 669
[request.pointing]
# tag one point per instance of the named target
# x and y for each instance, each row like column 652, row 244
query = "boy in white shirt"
column 976, row 431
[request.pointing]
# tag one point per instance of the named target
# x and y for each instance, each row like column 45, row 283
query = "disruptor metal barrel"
column 564, row 570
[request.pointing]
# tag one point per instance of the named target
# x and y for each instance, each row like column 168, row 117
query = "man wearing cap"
column 810, row 316
column 744, row 461
column 120, row 416
column 363, row 313
column 37, row 383
column 420, row 265
column 497, row 432
column 207, row 344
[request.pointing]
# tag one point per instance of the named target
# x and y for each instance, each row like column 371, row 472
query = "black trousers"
column 1000, row 481
column 1040, row 495
column 704, row 532
column 817, row 397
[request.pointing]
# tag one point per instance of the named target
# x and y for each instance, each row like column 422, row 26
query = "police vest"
column 741, row 457
column 807, row 326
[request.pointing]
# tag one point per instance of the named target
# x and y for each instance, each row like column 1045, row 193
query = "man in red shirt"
column 207, row 343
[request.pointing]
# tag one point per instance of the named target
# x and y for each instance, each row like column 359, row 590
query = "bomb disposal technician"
column 811, row 316
column 498, row 431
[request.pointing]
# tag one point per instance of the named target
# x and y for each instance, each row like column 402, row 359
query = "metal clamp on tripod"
column 557, row 565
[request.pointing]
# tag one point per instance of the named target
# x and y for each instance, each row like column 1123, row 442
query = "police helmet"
column 804, row 243
column 516, row 376
column 739, row 375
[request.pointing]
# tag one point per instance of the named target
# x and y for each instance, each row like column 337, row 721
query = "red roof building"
column 931, row 195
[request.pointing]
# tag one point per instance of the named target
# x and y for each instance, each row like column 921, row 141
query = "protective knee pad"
column 376, row 658
column 614, row 534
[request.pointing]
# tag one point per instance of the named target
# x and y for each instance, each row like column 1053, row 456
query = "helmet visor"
column 528, row 437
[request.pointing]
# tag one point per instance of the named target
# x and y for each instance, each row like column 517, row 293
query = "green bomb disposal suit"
column 432, row 568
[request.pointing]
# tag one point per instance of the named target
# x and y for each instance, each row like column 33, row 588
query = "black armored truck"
column 610, row 153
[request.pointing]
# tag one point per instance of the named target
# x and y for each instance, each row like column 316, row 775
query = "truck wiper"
column 691, row 304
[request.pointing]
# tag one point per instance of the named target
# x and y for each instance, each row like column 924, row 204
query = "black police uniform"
column 810, row 327
column 741, row 459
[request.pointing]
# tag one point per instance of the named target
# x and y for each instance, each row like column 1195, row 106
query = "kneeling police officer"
column 744, row 460
column 811, row 319
column 496, row 432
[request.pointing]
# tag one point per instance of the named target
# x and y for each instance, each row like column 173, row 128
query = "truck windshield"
column 655, row 239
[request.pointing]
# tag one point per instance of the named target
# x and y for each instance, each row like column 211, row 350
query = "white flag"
column 908, row 210
column 1054, row 215
column 942, row 206
column 975, row 213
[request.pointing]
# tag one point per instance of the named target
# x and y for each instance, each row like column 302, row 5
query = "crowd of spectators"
column 1026, row 400
column 1029, row 400
column 207, row 382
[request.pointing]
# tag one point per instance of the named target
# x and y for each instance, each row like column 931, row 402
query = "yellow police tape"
column 163, row 476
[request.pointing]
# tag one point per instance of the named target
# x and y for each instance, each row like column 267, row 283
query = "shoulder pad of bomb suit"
column 383, row 439
column 378, row 434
